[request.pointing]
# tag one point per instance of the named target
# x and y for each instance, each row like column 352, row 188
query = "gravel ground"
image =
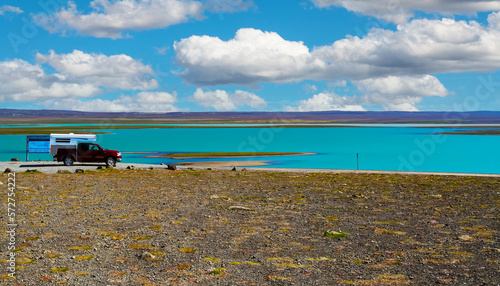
column 54, row 167
column 160, row 227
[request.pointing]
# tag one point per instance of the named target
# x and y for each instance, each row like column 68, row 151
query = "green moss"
column 335, row 234
column 59, row 269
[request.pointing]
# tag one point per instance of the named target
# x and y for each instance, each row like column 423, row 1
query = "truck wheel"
column 110, row 161
column 68, row 160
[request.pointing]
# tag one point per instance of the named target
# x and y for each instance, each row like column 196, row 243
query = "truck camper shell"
column 68, row 141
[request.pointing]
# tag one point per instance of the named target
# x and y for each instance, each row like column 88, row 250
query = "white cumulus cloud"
column 142, row 102
column 250, row 57
column 398, row 90
column 21, row 81
column 393, row 93
column 400, row 11
column 328, row 101
column 116, row 71
column 494, row 20
column 110, row 18
column 221, row 100
column 416, row 49
column 77, row 75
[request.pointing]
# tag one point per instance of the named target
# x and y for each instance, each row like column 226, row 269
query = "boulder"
column 8, row 170
column 132, row 167
column 15, row 159
column 172, row 167
column 79, row 171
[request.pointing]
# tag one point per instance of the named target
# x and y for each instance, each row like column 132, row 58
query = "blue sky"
column 241, row 55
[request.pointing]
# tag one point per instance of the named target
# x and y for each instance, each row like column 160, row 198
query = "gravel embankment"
column 53, row 167
column 160, row 227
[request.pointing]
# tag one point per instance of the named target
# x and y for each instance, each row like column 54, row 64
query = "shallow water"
column 378, row 147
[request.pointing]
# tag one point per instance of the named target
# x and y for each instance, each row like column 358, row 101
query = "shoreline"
column 50, row 167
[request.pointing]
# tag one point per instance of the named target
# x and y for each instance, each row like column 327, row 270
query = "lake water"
column 378, row 147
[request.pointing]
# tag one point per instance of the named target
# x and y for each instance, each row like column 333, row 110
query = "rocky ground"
column 161, row 227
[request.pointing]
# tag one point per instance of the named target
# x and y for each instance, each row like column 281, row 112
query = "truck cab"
column 67, row 148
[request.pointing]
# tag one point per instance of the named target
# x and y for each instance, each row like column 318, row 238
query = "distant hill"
column 479, row 117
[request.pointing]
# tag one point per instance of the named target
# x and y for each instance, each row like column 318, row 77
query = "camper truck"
column 70, row 148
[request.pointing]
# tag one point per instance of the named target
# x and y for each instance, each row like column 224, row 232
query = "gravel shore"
column 50, row 167
column 161, row 227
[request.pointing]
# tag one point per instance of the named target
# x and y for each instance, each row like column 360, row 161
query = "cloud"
column 21, row 81
column 400, row 11
column 162, row 50
column 252, row 56
column 11, row 9
column 116, row 71
column 221, row 100
column 328, row 101
column 109, row 19
column 310, row 88
column 228, row 6
column 77, row 75
column 418, row 48
column 393, row 93
column 398, row 90
column 494, row 20
column 142, row 102
column 408, row 106
column 396, row 64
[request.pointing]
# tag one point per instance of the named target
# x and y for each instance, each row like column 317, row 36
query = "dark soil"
column 159, row 227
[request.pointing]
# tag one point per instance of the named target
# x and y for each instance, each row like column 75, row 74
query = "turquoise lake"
column 379, row 147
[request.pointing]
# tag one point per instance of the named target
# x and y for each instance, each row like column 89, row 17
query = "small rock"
column 15, row 159
column 146, row 256
column 8, row 170
column 132, row 167
column 240, row 208
column 151, row 168
column 209, row 169
column 162, row 164
column 233, row 169
column 214, row 197
column 99, row 168
column 79, row 171
column 172, row 167
column 244, row 169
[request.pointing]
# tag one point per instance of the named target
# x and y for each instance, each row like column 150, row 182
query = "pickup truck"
column 87, row 152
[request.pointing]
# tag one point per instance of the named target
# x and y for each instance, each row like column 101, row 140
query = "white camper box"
column 68, row 141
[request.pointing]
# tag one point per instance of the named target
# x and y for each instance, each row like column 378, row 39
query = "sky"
column 243, row 55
